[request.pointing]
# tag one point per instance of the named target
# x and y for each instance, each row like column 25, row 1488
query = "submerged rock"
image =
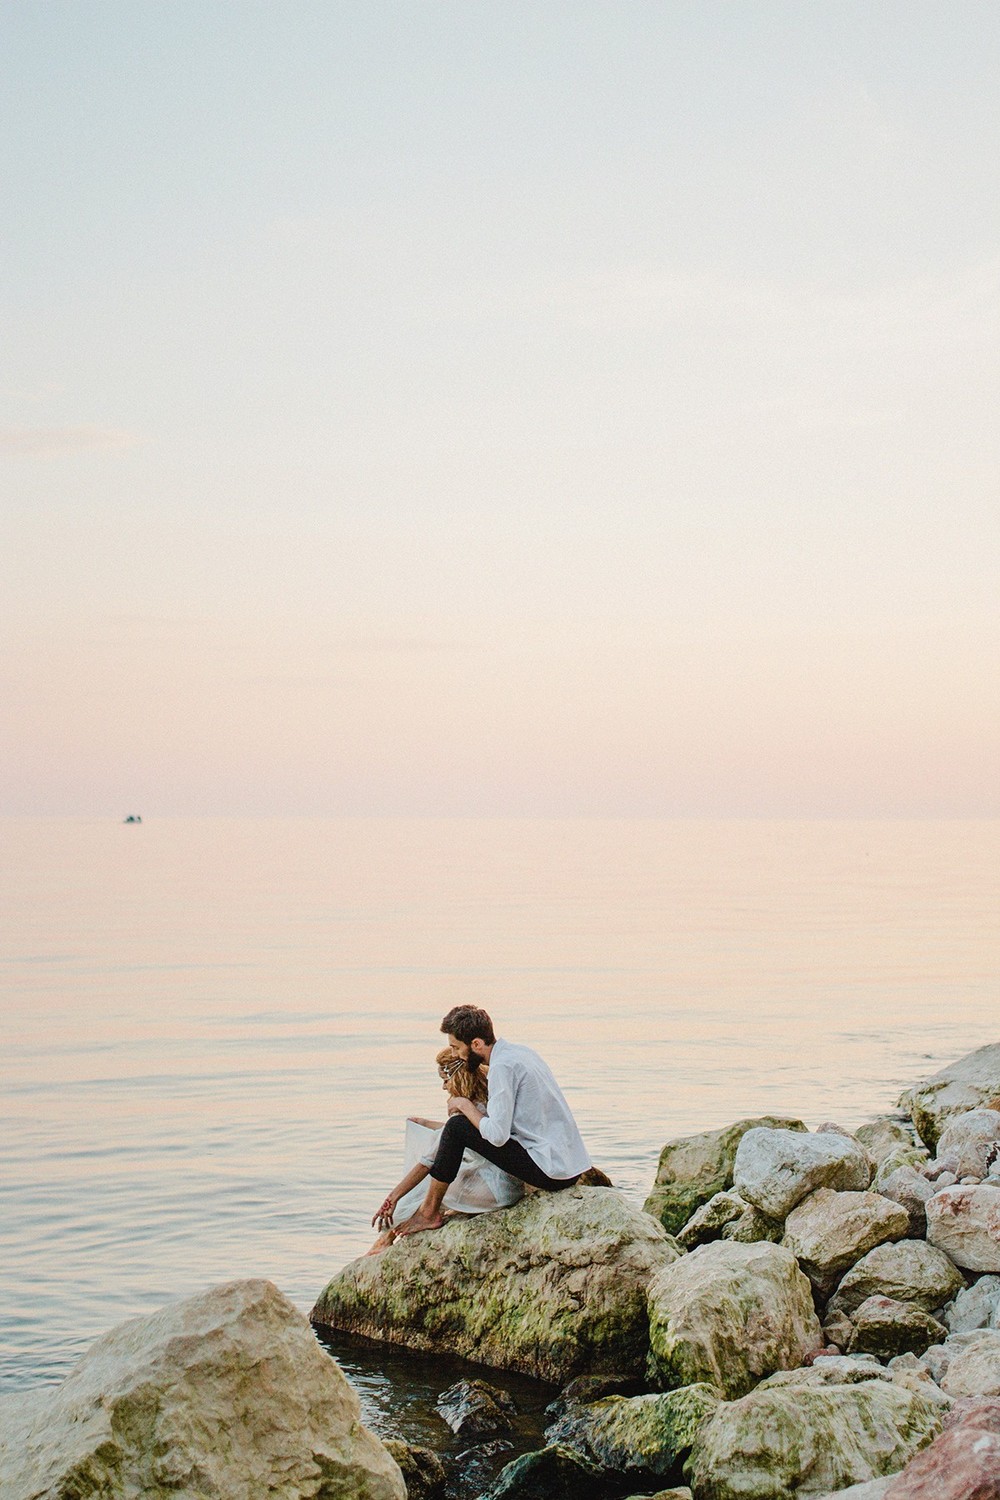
column 553, row 1473
column 693, row 1168
column 473, row 1409
column 964, row 1222
column 645, row 1434
column 776, row 1169
column 972, row 1081
column 424, row 1475
column 830, row 1231
column 226, row 1394
column 729, row 1314
column 792, row 1440
column 553, row 1287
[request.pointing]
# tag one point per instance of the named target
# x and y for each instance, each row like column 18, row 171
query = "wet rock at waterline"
column 226, row 1394
column 473, row 1409
column 693, row 1168
column 553, row 1287
column 424, row 1475
column 646, row 1434
column 969, row 1083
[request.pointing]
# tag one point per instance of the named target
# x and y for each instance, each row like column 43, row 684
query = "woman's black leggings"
column 459, row 1135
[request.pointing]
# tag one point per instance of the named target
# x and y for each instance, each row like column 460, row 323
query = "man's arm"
column 495, row 1124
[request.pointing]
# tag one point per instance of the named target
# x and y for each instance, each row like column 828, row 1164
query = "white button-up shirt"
column 526, row 1105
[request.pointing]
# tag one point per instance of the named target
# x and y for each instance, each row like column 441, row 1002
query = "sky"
column 529, row 409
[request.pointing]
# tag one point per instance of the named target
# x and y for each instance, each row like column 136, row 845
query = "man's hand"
column 465, row 1107
column 383, row 1218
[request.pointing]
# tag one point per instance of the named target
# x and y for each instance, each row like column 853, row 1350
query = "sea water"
column 213, row 1030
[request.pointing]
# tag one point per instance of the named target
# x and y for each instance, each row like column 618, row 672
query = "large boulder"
column 645, row 1435
column 908, row 1270
column 964, row 1222
column 730, row 1314
column 974, row 1369
column 976, row 1306
column 226, row 1394
column 553, row 1287
column 963, row 1085
column 776, row 1169
column 797, row 1440
column 830, row 1231
column 963, row 1463
column 970, row 1143
column 693, row 1168
column 886, row 1328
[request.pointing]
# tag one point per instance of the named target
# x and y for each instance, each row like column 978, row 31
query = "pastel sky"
column 546, row 408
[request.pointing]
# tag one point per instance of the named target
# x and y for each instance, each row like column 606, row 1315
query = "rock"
column 472, row 1471
column 884, row 1135
column 752, row 1227
column 971, row 1141
column 974, row 1370
column 908, row 1270
column 708, row 1221
column 838, row 1329
column 776, row 1169
column 875, row 1489
column 939, row 1356
column 791, row 1440
column 909, row 1188
column 646, row 1434
column 903, row 1156
column 964, row 1085
column 680, row 1492
column 885, row 1327
column 729, row 1314
column 976, row 1306
column 975, row 1411
column 964, row 1222
column 962, row 1464
column 587, row 1388
column 553, row 1473
column 473, row 1409
column 829, row 1232
column 693, row 1168
column 553, row 1287
column 227, row 1394
column 423, row 1472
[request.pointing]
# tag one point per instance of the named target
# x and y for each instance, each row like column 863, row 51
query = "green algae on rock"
column 693, row 1168
column 553, row 1287
column 552, row 1473
column 226, row 1394
column 730, row 1314
column 798, row 1440
column 637, row 1434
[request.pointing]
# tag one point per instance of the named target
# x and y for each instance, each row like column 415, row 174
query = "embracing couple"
column 517, row 1129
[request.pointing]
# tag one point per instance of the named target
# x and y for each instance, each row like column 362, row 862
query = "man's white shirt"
column 526, row 1105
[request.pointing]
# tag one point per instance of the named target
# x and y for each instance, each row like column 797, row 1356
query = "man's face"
column 470, row 1054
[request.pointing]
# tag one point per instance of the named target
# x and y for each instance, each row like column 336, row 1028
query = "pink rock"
column 982, row 1412
column 961, row 1464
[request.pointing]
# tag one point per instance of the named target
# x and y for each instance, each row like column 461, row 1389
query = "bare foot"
column 419, row 1223
column 383, row 1242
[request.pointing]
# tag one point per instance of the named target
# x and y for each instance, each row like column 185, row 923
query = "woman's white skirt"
column 478, row 1189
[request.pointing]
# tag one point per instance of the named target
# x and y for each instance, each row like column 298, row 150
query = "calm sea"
column 213, row 1030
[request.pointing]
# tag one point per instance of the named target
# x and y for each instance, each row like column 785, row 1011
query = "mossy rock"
column 693, row 1168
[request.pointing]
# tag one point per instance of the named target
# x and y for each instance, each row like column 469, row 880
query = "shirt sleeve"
column 495, row 1124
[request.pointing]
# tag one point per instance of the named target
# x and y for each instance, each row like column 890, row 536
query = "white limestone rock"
column 829, row 1232
column 964, row 1222
column 907, row 1186
column 976, row 1306
column 971, row 1142
column 776, row 1169
column 974, row 1368
column 972, row 1081
column 729, row 1314
column 226, row 1395
column 907, row 1270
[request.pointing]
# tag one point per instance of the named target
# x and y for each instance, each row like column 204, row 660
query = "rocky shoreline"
column 794, row 1313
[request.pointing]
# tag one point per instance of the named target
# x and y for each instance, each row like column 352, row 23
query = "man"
column 527, row 1130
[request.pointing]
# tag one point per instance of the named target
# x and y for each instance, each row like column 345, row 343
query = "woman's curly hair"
column 461, row 1083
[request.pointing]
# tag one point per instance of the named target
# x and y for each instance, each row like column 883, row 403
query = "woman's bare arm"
column 383, row 1216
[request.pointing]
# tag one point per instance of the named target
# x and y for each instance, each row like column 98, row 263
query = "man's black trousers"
column 459, row 1135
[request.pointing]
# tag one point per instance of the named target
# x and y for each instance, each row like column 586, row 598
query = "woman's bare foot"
column 419, row 1223
column 383, row 1242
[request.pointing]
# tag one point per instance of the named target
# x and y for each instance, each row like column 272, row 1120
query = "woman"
column 479, row 1186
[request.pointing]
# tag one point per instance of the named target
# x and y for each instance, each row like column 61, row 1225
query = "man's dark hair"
column 466, row 1022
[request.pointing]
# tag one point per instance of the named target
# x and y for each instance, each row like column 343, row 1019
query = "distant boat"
column 133, row 818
